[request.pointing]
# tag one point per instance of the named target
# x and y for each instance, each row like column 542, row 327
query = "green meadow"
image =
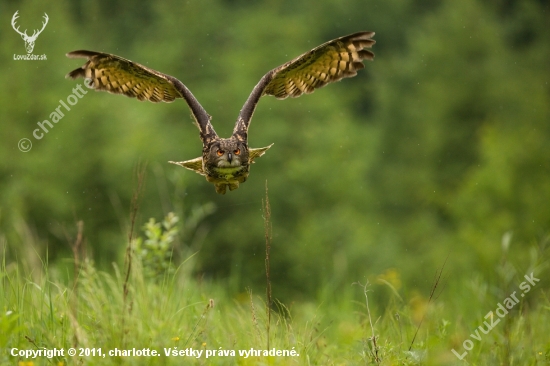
column 151, row 311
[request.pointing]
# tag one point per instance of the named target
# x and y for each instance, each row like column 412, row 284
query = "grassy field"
column 150, row 312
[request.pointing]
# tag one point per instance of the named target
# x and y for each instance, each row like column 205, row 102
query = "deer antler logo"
column 29, row 40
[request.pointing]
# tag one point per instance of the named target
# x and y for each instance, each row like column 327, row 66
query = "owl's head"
column 228, row 153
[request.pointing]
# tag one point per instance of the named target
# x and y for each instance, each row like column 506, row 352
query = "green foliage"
column 155, row 252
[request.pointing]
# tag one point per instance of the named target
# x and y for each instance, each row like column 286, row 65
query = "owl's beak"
column 229, row 157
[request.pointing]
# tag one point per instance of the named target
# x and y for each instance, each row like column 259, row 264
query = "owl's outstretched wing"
column 118, row 75
column 330, row 62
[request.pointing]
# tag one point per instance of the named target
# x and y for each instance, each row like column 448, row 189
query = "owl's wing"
column 330, row 62
column 117, row 75
column 193, row 164
column 256, row 153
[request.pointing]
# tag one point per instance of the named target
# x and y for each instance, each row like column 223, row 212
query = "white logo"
column 29, row 40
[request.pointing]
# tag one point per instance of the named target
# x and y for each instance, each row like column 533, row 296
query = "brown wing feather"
column 193, row 164
column 256, row 153
column 118, row 75
column 330, row 62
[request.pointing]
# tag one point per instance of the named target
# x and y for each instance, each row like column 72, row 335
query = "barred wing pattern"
column 118, row 75
column 330, row 62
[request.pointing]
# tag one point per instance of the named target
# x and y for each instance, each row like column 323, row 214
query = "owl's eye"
column 237, row 152
column 219, row 152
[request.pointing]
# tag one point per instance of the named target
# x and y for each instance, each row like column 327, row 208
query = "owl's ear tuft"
column 193, row 164
column 256, row 153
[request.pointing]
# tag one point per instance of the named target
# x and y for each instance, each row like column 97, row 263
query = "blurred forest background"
column 439, row 148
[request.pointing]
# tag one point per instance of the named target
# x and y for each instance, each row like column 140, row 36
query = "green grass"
column 42, row 308
column 150, row 305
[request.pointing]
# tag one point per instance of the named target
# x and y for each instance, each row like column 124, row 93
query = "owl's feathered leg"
column 221, row 188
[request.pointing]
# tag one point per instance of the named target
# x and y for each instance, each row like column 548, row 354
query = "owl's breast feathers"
column 228, row 173
column 229, row 177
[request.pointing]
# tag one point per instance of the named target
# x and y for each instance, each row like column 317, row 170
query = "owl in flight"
column 226, row 162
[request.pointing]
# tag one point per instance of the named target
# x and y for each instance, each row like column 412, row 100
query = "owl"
column 225, row 162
